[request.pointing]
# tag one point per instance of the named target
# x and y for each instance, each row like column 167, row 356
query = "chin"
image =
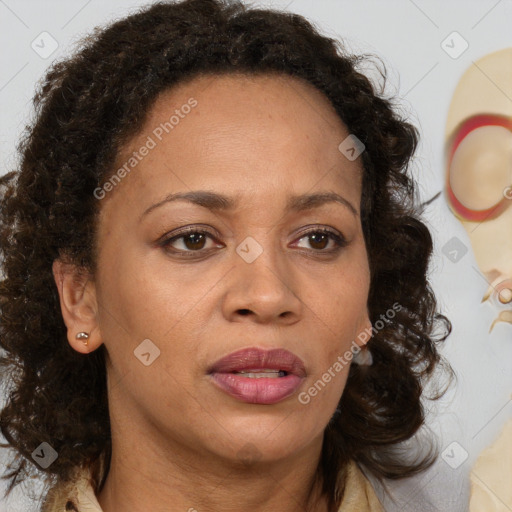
column 265, row 442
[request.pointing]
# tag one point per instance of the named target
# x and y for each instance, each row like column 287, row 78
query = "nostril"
column 244, row 312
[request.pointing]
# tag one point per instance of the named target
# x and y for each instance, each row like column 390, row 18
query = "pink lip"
column 262, row 390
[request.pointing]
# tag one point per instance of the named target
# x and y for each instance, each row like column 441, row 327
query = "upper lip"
column 259, row 359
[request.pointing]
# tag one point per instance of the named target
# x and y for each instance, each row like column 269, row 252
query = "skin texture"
column 177, row 439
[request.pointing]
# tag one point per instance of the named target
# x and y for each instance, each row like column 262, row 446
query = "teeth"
column 259, row 374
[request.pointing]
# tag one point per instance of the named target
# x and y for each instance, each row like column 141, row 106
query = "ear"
column 78, row 304
column 365, row 330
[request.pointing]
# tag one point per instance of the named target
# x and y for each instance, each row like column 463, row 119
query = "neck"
column 144, row 477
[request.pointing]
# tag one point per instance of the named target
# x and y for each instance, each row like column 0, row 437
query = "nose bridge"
column 261, row 280
column 261, row 261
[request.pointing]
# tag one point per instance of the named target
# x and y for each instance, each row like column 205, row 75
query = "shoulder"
column 491, row 475
column 359, row 495
column 77, row 495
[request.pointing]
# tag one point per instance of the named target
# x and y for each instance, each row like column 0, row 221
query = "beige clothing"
column 491, row 476
column 359, row 495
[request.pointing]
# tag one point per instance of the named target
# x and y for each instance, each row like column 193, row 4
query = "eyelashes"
column 196, row 235
column 193, row 240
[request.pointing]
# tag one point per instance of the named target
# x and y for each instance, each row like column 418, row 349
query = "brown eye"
column 192, row 240
column 319, row 239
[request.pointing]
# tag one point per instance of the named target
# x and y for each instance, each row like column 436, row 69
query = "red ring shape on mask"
column 467, row 126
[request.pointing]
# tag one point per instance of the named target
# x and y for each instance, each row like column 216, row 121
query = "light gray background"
column 407, row 35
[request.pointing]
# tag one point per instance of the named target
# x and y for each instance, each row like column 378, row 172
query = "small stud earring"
column 84, row 336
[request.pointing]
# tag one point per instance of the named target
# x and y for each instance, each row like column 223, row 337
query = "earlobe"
column 363, row 356
column 77, row 294
column 368, row 330
column 365, row 333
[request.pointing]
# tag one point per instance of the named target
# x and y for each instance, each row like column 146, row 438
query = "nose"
column 263, row 290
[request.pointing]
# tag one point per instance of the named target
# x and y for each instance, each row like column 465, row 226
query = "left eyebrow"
column 214, row 201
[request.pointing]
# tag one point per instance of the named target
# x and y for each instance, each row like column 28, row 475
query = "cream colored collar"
column 359, row 495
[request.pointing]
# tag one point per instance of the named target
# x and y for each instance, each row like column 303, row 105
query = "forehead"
column 237, row 91
column 254, row 130
column 249, row 107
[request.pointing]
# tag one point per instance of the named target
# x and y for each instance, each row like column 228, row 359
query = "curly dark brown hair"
column 87, row 107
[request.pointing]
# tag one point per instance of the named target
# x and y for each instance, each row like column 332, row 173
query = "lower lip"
column 265, row 390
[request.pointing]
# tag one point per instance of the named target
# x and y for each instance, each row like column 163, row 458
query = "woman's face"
column 255, row 281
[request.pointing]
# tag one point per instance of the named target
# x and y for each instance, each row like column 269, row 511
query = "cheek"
column 341, row 316
column 322, row 394
column 144, row 297
column 143, row 294
column 138, row 305
column 344, row 299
